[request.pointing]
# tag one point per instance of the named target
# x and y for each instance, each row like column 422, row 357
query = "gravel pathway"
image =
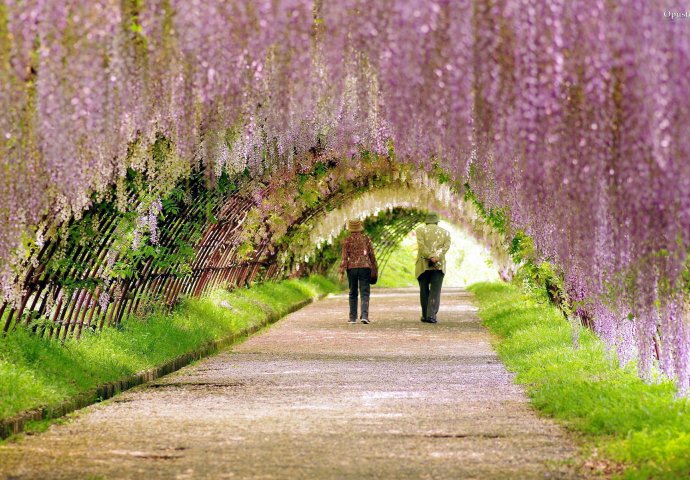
column 315, row 397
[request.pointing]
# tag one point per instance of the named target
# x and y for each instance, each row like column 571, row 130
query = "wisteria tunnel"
column 157, row 151
column 210, row 238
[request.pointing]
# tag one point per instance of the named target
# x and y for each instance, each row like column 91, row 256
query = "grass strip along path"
column 36, row 373
column 632, row 429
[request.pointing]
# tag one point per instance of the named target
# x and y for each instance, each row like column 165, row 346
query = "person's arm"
column 343, row 262
column 422, row 247
column 445, row 246
column 372, row 255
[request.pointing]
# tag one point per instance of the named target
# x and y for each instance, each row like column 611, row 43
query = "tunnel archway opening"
column 391, row 218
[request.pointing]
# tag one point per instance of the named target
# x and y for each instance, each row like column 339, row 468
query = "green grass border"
column 628, row 428
column 36, row 368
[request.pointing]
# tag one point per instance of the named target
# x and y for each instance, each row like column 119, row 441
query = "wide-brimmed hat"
column 431, row 217
column 355, row 225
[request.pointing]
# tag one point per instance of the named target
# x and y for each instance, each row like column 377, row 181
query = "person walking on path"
column 360, row 262
column 433, row 243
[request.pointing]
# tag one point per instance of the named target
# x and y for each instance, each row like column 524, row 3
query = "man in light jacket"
column 433, row 243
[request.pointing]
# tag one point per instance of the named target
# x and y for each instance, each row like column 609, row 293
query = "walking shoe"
column 429, row 320
column 352, row 320
column 423, row 319
column 365, row 320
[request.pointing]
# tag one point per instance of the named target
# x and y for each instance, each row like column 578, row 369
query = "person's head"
column 431, row 217
column 355, row 225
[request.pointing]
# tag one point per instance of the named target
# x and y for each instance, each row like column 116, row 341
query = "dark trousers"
column 358, row 279
column 430, row 292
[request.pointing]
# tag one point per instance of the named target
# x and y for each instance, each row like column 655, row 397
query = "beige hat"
column 431, row 217
column 355, row 225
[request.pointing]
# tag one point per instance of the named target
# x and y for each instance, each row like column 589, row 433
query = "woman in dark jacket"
column 359, row 261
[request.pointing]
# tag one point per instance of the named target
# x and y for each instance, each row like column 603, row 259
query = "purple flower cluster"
column 572, row 114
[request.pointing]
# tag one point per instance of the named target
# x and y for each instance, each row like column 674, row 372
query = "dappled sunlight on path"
column 316, row 397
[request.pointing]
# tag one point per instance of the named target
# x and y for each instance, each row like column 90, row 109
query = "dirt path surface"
column 315, row 397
